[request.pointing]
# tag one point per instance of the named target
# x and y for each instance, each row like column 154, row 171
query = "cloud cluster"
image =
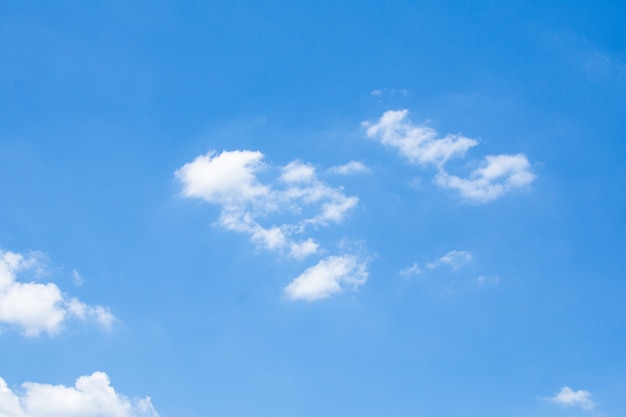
column 331, row 275
column 296, row 195
column 421, row 145
column 36, row 307
column 569, row 398
column 91, row 396
column 230, row 180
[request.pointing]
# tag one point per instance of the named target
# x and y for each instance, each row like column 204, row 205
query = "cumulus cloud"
column 455, row 259
column 352, row 167
column 230, row 180
column 91, row 396
column 569, row 398
column 418, row 144
column 36, row 307
column 497, row 175
column 329, row 276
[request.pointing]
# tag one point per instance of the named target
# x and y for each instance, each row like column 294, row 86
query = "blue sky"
column 304, row 209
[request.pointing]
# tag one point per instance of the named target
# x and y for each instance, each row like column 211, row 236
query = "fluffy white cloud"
column 230, row 180
column 570, row 398
column 352, row 167
column 331, row 275
column 497, row 175
column 418, row 144
column 455, row 259
column 35, row 307
column 91, row 396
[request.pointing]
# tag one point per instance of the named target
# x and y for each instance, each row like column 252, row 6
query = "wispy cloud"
column 421, row 145
column 91, row 396
column 412, row 270
column 331, row 275
column 570, row 398
column 497, row 175
column 418, row 144
column 230, row 180
column 454, row 259
column 389, row 91
column 352, row 167
column 35, row 307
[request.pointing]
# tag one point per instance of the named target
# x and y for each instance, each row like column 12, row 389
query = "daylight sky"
column 305, row 209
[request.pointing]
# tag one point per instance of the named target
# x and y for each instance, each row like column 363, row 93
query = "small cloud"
column 352, row 167
column 36, row 307
column 418, row 144
column 296, row 171
column 412, row 270
column 570, row 398
column 455, row 259
column 330, row 276
column 78, row 279
column 91, row 396
column 303, row 249
column 485, row 280
column 497, row 175
column 389, row 91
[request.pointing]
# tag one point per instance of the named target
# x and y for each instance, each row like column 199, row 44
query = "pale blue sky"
column 304, row 209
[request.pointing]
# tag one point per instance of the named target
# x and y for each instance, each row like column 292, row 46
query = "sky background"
column 448, row 305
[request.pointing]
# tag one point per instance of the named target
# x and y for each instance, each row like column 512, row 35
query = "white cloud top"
column 497, row 174
column 91, row 396
column 35, row 307
column 230, row 180
column 418, row 144
column 570, row 398
column 331, row 275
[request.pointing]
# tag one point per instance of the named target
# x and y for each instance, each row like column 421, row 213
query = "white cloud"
column 78, row 278
column 230, row 180
column 298, row 172
column 352, row 167
column 35, row 307
column 303, row 249
column 418, row 144
column 412, row 270
column 570, row 398
column 331, row 275
column 390, row 91
column 484, row 280
column 497, row 175
column 455, row 259
column 91, row 396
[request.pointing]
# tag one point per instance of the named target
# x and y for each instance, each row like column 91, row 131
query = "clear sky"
column 304, row 209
